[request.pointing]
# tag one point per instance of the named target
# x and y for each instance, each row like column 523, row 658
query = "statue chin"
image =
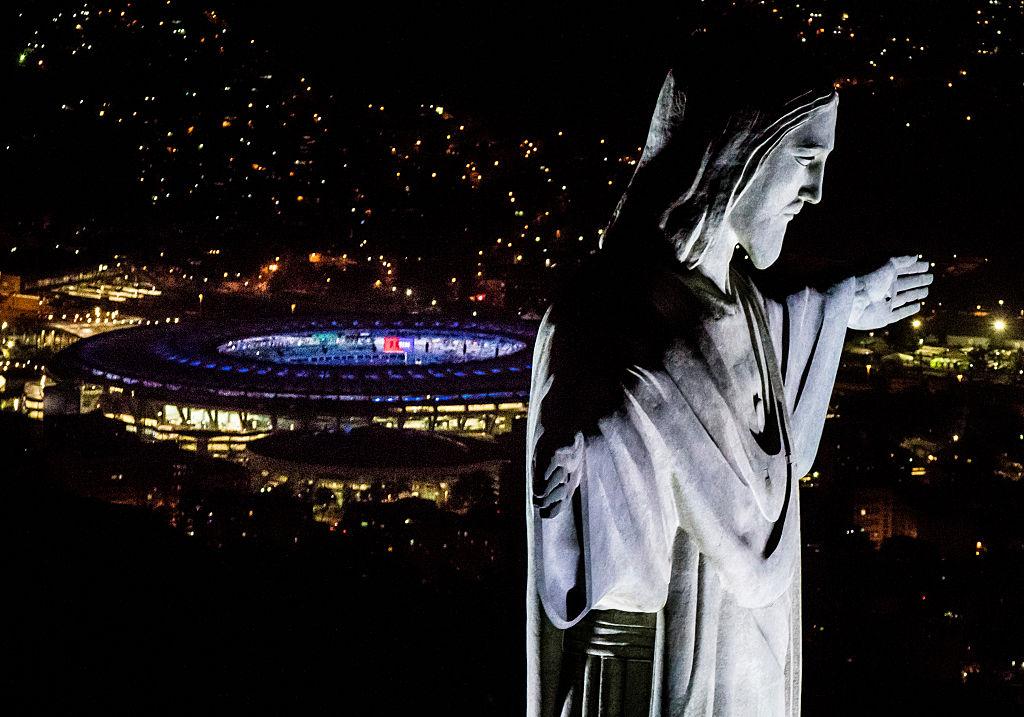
column 763, row 261
column 764, row 250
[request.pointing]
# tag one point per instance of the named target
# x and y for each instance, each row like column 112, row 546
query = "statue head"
column 787, row 177
column 736, row 147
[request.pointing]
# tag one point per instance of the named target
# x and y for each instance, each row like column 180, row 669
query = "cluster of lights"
column 288, row 175
column 276, row 153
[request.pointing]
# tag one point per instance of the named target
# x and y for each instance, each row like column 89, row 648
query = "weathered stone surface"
column 673, row 410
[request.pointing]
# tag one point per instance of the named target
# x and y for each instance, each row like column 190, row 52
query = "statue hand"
column 890, row 293
column 561, row 479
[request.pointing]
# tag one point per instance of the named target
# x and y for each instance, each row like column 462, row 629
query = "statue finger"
column 916, row 267
column 559, row 495
column 556, row 495
column 905, row 311
column 551, row 511
column 554, row 477
column 912, row 281
column 908, row 296
column 904, row 261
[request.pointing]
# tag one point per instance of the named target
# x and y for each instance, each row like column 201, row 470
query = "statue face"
column 790, row 176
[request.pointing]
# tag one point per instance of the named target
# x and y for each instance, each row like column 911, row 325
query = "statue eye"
column 804, row 160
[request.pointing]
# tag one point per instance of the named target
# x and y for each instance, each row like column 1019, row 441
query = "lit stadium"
column 218, row 385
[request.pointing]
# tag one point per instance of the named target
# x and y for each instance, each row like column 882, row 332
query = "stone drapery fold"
column 679, row 513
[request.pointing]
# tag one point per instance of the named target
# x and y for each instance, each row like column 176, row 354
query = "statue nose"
column 810, row 192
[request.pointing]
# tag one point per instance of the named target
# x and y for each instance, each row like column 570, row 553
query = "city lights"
column 254, row 318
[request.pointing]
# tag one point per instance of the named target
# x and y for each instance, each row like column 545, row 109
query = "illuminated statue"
column 674, row 408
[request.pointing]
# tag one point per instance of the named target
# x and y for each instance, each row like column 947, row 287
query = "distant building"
column 375, row 464
column 985, row 329
column 22, row 306
column 9, row 284
column 491, row 292
column 33, row 398
column 968, row 341
column 935, row 358
column 324, row 259
column 881, row 515
column 218, row 385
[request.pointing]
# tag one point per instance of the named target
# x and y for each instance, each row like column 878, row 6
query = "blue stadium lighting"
column 343, row 361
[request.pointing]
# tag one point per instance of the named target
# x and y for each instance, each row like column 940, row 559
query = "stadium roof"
column 186, row 362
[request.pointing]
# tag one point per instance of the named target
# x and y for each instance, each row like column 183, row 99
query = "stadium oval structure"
column 248, row 378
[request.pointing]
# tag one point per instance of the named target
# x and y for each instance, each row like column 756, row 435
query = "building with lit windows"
column 371, row 464
column 216, row 385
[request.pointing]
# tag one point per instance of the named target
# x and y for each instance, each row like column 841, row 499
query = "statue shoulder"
column 565, row 343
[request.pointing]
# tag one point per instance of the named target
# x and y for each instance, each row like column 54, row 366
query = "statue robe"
column 669, row 582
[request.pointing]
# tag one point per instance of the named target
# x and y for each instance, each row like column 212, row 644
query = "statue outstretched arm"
column 808, row 331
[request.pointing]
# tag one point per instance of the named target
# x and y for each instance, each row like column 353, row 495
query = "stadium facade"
column 217, row 385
